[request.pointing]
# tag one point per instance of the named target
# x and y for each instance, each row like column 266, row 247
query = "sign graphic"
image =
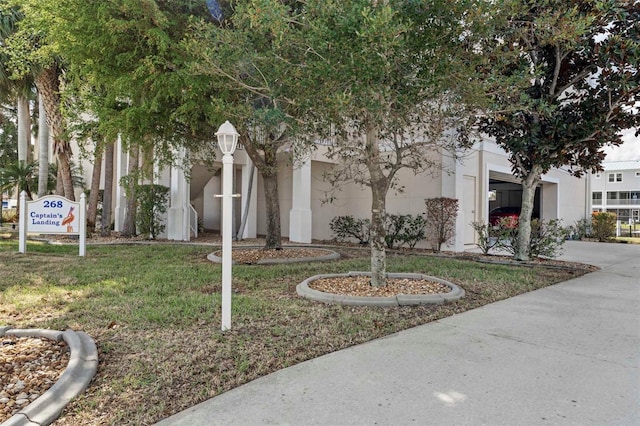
column 52, row 214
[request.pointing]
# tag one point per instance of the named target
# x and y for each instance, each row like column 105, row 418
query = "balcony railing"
column 621, row 202
column 193, row 220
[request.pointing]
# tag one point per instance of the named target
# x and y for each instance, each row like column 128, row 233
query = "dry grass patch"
column 154, row 311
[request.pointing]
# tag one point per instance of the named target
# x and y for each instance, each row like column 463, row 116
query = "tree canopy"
column 563, row 81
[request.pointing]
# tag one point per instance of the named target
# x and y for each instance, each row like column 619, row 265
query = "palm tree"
column 17, row 90
column 76, row 177
column 18, row 176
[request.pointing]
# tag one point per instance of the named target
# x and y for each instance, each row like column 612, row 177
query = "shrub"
column 9, row 215
column 413, row 230
column 403, row 229
column 349, row 227
column 603, row 225
column 582, row 228
column 152, row 204
column 399, row 229
column 489, row 236
column 546, row 238
column 441, row 220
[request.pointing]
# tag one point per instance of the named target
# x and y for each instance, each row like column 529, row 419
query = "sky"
column 629, row 150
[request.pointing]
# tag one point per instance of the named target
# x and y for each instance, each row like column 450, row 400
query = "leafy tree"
column 253, row 61
column 32, row 53
column 131, row 77
column 13, row 88
column 387, row 79
column 563, row 80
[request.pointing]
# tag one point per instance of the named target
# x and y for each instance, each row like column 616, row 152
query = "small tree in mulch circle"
column 441, row 220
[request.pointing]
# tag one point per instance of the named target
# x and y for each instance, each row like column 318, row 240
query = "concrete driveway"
column 564, row 355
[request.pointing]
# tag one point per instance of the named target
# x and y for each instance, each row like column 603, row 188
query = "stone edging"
column 83, row 364
column 332, row 255
column 456, row 292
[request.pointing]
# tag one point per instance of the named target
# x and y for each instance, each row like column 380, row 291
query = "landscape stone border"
column 83, row 365
column 331, row 255
column 456, row 292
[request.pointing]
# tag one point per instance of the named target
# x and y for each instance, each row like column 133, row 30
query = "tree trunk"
column 48, row 84
column 24, row 129
column 129, row 227
column 529, row 184
column 108, row 191
column 43, row 149
column 379, row 187
column 274, row 238
column 94, row 193
column 59, row 186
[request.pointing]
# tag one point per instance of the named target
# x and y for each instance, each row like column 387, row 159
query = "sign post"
column 52, row 214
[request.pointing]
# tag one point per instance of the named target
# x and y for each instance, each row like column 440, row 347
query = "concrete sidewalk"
column 564, row 355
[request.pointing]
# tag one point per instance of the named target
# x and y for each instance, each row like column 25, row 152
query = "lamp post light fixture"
column 227, row 140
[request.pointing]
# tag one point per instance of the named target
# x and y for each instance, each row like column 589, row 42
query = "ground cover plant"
column 154, row 311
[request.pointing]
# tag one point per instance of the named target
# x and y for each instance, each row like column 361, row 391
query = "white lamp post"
column 227, row 140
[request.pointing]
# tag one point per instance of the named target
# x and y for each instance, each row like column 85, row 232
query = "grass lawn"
column 154, row 311
column 629, row 240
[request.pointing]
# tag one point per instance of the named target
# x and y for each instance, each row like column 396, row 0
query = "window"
column 615, row 177
column 596, row 197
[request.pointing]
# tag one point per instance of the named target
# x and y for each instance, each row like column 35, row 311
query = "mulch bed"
column 28, row 368
column 360, row 285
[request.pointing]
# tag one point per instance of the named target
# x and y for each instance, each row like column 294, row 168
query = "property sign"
column 52, row 214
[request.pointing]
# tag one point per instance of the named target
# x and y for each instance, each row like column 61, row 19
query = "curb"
column 305, row 291
column 83, row 365
column 332, row 255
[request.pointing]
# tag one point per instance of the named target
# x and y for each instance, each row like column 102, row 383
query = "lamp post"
column 227, row 140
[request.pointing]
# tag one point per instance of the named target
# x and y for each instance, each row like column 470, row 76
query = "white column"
column 300, row 217
column 162, row 176
column 122, row 158
column 178, row 212
column 251, row 226
column 453, row 187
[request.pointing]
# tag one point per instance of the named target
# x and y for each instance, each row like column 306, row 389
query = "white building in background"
column 481, row 182
column 617, row 190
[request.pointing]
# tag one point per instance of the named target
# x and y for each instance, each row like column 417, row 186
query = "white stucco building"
column 617, row 189
column 481, row 182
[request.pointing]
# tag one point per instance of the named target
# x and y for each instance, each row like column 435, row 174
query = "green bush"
column 399, row 229
column 345, row 227
column 413, row 230
column 603, row 225
column 489, row 236
column 581, row 229
column 546, row 240
column 403, row 229
column 152, row 204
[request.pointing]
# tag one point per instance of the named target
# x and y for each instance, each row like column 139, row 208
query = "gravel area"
column 28, row 367
column 250, row 256
column 360, row 285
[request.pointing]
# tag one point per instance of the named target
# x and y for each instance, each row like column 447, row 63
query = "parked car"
column 509, row 214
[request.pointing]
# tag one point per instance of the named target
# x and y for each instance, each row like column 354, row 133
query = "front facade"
column 481, row 181
column 617, row 190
